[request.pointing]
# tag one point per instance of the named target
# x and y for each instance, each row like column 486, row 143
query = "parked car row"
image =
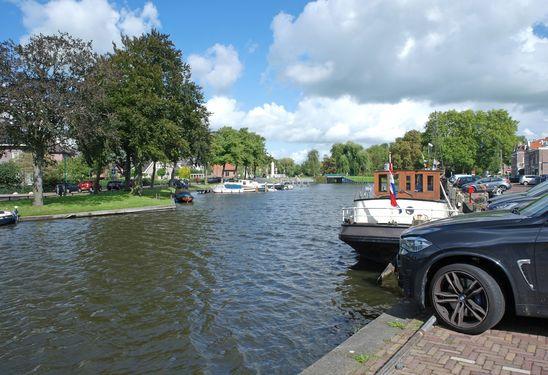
column 472, row 269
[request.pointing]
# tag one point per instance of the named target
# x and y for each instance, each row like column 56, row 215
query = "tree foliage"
column 469, row 140
column 155, row 106
column 311, row 166
column 407, row 151
column 287, row 166
column 39, row 88
column 378, row 155
column 239, row 148
column 350, row 158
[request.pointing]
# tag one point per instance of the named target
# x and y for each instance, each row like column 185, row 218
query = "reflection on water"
column 243, row 283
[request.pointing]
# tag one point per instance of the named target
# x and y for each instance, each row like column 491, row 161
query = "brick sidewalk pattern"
column 441, row 351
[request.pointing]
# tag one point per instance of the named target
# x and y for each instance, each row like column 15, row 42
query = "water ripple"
column 256, row 283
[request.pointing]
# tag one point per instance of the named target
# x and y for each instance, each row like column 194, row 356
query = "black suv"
column 471, row 268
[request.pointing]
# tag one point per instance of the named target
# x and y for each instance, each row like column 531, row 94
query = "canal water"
column 251, row 283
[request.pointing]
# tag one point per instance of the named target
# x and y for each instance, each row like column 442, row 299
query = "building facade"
column 536, row 161
column 229, row 170
column 518, row 161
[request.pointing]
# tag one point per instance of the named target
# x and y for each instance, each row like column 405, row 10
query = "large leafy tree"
column 227, row 147
column 39, row 86
column 497, row 139
column 311, row 165
column 148, row 101
column 328, row 165
column 407, row 151
column 254, row 151
column 286, row 166
column 378, row 155
column 350, row 158
column 470, row 140
column 91, row 125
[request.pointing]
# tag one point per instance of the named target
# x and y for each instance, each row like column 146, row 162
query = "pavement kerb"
column 390, row 365
column 369, row 340
column 98, row 213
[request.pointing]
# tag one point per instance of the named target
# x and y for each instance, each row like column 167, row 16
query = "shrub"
column 184, row 172
column 161, row 172
column 10, row 174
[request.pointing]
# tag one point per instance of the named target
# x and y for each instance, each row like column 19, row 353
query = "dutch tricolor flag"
column 393, row 193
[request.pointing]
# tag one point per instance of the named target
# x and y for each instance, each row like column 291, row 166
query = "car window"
column 537, row 208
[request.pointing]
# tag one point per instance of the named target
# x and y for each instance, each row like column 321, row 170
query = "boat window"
column 430, row 183
column 418, row 182
column 408, row 183
column 383, row 182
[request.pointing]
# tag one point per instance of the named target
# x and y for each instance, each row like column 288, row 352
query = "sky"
column 306, row 74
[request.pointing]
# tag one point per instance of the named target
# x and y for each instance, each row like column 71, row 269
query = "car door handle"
column 521, row 263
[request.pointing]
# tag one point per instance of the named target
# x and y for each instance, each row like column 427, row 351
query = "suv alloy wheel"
column 466, row 298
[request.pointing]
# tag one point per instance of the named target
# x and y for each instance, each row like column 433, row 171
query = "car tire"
column 466, row 298
column 525, row 183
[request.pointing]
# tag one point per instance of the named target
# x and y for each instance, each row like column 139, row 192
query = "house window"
column 418, row 183
column 227, row 173
column 383, row 183
column 408, row 183
column 430, row 183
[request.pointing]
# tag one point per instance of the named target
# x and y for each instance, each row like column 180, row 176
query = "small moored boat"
column 228, row 188
column 183, row 196
column 9, row 217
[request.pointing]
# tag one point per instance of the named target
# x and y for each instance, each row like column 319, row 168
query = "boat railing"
column 349, row 214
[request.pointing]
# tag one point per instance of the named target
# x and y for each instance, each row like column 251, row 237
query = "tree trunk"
column 153, row 175
column 223, row 175
column 97, row 180
column 38, row 166
column 127, row 171
column 245, row 173
column 174, row 169
column 138, row 185
column 205, row 173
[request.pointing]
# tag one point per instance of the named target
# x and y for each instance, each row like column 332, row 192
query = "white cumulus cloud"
column 320, row 121
column 389, row 51
column 97, row 20
column 219, row 67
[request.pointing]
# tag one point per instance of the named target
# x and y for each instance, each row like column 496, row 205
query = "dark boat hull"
column 183, row 197
column 374, row 242
column 8, row 220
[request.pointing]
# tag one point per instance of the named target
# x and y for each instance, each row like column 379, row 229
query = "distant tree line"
column 458, row 141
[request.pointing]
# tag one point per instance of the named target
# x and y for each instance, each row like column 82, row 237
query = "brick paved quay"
column 519, row 346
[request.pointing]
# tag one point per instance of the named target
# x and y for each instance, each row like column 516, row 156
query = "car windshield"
column 484, row 180
column 537, row 208
column 539, row 189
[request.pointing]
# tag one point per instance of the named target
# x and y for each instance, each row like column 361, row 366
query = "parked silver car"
column 527, row 179
column 492, row 185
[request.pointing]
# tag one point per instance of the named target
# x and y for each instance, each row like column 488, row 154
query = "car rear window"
column 537, row 208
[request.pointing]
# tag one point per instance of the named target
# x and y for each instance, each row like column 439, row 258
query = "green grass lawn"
column 361, row 178
column 111, row 200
